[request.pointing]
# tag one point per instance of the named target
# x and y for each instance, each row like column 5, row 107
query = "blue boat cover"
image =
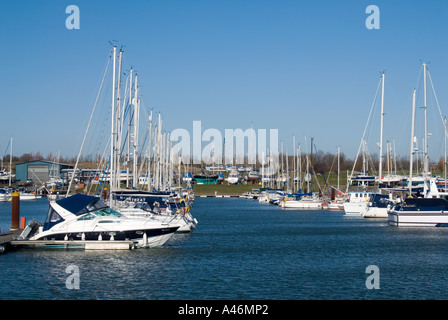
column 80, row 203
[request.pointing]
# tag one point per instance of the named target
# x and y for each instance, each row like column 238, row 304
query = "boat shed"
column 39, row 170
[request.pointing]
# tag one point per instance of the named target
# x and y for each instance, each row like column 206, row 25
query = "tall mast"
column 112, row 135
column 135, row 144
column 10, row 162
column 381, row 133
column 412, row 143
column 149, row 152
column 129, row 126
column 118, row 124
column 339, row 164
column 426, row 159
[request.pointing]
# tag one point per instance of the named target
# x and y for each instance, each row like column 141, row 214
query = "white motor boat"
column 28, row 195
column 305, row 202
column 5, row 194
column 376, row 207
column 159, row 206
column 356, row 203
column 87, row 218
column 429, row 209
column 420, row 212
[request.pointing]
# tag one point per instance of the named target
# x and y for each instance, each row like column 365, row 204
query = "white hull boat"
column 5, row 195
column 303, row 203
column 137, row 203
column 419, row 212
column 357, row 202
column 376, row 207
column 86, row 218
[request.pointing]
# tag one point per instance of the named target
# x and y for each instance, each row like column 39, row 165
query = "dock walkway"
column 7, row 237
column 9, row 240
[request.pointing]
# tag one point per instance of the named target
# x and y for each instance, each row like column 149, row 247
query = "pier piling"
column 15, row 214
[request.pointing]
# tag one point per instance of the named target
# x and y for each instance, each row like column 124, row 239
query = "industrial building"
column 39, row 170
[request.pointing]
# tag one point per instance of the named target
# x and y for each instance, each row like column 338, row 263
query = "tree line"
column 320, row 162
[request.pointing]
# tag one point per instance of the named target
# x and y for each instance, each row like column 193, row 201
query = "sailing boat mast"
column 10, row 162
column 381, row 133
column 135, row 142
column 426, row 159
column 339, row 164
column 129, row 126
column 112, row 135
column 412, row 143
column 118, row 126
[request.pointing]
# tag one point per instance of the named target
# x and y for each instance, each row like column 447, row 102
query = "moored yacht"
column 429, row 209
column 162, row 206
column 420, row 212
column 5, row 194
column 305, row 202
column 87, row 218
column 356, row 202
column 376, row 207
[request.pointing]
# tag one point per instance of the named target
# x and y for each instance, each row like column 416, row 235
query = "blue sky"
column 306, row 68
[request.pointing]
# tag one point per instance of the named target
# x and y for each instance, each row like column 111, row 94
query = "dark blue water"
column 241, row 250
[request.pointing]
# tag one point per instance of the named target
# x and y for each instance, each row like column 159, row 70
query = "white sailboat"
column 133, row 203
column 358, row 202
column 430, row 208
column 7, row 176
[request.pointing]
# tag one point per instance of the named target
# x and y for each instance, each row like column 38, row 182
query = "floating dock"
column 6, row 238
column 9, row 240
column 219, row 196
column 80, row 244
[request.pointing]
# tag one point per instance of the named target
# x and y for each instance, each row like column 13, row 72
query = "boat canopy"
column 427, row 202
column 79, row 204
column 379, row 200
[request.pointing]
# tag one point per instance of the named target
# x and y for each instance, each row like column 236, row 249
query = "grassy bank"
column 226, row 189
column 222, row 189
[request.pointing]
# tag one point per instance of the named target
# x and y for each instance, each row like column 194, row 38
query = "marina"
column 224, row 151
column 242, row 250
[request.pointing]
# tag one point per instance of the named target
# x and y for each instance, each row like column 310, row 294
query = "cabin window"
column 107, row 212
column 87, row 216
column 52, row 218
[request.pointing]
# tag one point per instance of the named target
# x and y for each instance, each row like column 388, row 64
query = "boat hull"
column 420, row 219
column 301, row 204
column 353, row 209
column 375, row 212
column 153, row 238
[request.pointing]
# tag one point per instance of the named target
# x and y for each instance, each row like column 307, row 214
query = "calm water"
column 241, row 250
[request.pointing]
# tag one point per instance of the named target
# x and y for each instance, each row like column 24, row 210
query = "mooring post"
column 15, row 214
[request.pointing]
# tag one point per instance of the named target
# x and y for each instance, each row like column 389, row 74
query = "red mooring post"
column 15, row 214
